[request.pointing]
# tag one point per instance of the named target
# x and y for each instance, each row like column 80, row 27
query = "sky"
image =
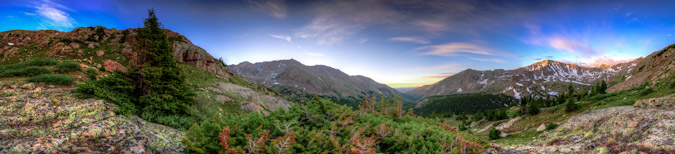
column 401, row 43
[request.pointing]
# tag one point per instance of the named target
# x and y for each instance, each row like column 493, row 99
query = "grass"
column 518, row 138
column 59, row 79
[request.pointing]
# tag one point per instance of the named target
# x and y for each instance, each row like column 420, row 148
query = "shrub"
column 646, row 91
column 32, row 62
column 26, row 71
column 461, row 117
column 672, row 85
column 551, row 126
column 60, row 79
column 346, row 130
column 91, row 73
column 67, row 66
column 114, row 88
column 571, row 106
column 494, row 134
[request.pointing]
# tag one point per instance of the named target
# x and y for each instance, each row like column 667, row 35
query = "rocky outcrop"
column 252, row 100
column 48, row 119
column 68, row 44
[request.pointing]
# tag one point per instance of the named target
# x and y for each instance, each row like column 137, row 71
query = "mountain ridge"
column 290, row 74
column 546, row 77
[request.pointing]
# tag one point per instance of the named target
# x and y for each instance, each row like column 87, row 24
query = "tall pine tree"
column 160, row 84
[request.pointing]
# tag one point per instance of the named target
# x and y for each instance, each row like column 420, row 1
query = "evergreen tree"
column 160, row 84
column 533, row 109
column 603, row 87
column 570, row 90
column 571, row 106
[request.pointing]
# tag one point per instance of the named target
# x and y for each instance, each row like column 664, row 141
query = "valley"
column 152, row 90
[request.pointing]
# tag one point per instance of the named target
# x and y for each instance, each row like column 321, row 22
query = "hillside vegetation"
column 321, row 126
column 463, row 103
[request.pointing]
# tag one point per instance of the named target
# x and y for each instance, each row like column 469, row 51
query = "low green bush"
column 67, row 66
column 60, row 79
column 32, row 62
column 25, row 71
column 571, row 106
column 494, row 134
column 91, row 73
column 114, row 88
column 551, row 126
column 646, row 91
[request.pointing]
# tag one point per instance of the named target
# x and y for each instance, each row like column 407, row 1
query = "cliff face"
column 97, row 44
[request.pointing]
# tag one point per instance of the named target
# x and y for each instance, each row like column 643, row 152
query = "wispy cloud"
column 314, row 54
column 455, row 48
column 337, row 20
column 536, row 58
column 417, row 40
column 283, row 37
column 52, row 15
column 362, row 41
column 577, row 48
column 274, row 8
column 488, row 60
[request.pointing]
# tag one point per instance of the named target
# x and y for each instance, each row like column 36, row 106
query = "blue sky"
column 401, row 43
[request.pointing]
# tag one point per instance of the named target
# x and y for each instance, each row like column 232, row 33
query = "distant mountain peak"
column 603, row 66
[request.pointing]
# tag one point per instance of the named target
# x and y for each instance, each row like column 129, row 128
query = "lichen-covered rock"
column 649, row 129
column 255, row 101
column 54, row 121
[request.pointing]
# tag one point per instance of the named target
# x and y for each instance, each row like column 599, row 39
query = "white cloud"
column 411, row 39
column 274, row 8
column 283, row 37
column 52, row 14
column 488, row 60
column 453, row 49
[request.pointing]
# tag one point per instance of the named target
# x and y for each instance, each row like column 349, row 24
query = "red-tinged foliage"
column 257, row 144
column 363, row 146
column 284, row 143
column 382, row 131
column 225, row 141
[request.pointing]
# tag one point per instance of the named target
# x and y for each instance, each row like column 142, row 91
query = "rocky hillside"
column 542, row 78
column 648, row 126
column 284, row 75
column 50, row 119
column 658, row 66
column 116, row 49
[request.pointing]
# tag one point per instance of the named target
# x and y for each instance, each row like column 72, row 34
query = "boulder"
column 111, row 66
column 541, row 127
column 74, row 45
column 100, row 53
column 28, row 86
